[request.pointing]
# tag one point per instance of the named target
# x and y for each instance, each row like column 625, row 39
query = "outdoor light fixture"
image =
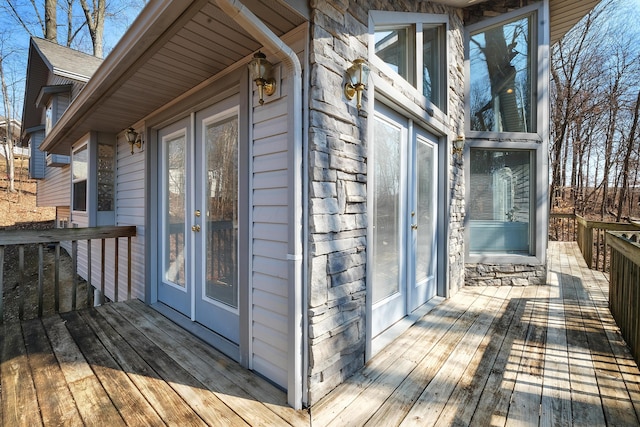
column 260, row 72
column 357, row 76
column 458, row 144
column 134, row 139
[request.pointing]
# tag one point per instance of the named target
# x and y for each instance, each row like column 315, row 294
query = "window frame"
column 538, row 194
column 83, row 146
column 539, row 74
column 537, row 142
column 379, row 20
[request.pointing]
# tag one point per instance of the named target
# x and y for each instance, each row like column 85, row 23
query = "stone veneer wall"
column 505, row 274
column 338, row 184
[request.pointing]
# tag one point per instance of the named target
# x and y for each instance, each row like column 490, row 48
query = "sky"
column 14, row 40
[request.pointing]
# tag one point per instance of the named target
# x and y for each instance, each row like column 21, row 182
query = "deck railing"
column 55, row 238
column 590, row 235
column 624, row 286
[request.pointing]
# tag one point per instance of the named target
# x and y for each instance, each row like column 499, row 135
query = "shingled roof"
column 45, row 61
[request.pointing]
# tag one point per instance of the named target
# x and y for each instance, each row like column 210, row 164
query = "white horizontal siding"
column 269, row 233
column 55, row 188
column 130, row 210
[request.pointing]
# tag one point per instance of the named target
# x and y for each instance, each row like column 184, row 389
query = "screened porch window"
column 500, row 215
column 501, row 77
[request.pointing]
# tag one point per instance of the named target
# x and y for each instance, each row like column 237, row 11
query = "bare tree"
column 95, row 23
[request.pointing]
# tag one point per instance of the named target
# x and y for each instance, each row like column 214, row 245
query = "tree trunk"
column 50, row 20
column 8, row 130
column 627, row 157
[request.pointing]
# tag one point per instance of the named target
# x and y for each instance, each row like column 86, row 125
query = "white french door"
column 198, row 218
column 403, row 233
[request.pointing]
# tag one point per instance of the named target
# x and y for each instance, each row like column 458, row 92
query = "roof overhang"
column 46, row 92
column 171, row 48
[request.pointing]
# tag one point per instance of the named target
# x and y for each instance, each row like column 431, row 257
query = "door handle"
column 195, row 228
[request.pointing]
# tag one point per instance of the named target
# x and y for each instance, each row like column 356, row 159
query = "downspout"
column 259, row 31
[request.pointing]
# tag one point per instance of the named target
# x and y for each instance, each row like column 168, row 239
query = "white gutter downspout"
column 258, row 30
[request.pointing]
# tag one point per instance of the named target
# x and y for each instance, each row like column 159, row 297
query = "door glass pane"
column 173, row 217
column 386, row 205
column 425, row 209
column 501, row 77
column 221, row 143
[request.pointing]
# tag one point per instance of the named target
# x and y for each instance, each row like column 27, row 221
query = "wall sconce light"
column 357, row 74
column 134, row 139
column 458, row 144
column 260, row 72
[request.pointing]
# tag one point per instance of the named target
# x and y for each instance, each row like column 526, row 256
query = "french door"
column 198, row 218
column 403, row 233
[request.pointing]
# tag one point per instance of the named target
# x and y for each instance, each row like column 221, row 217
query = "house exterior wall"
column 55, row 188
column 130, row 205
column 37, row 158
column 338, row 215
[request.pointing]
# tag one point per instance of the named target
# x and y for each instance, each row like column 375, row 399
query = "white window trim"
column 82, row 145
column 398, row 19
column 540, row 63
column 537, row 142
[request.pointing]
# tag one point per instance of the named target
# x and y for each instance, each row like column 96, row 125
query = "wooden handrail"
column 624, row 286
column 20, row 238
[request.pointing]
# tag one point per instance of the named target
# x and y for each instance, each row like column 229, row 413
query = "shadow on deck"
column 539, row 355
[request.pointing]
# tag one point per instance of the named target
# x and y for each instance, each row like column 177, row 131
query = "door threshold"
column 394, row 331
column 205, row 334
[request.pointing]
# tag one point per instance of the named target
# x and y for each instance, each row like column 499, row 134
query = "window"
column 501, row 186
column 106, row 172
column 48, row 118
column 416, row 51
column 392, row 46
column 501, row 76
column 79, row 170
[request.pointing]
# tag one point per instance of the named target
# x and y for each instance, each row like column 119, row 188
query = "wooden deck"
column 125, row 364
column 545, row 355
column 517, row 356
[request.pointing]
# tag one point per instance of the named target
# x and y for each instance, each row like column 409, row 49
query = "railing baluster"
column 89, row 273
column 56, row 280
column 20, row 289
column 1, row 284
column 129, row 267
column 116, row 270
column 102, row 263
column 40, row 279
column 74, row 263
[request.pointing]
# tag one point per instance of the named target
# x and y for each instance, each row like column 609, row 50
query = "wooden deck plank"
column 598, row 291
column 430, row 404
column 585, row 402
column 171, row 408
column 463, row 401
column 19, row 400
column 57, row 406
column 494, row 401
column 233, row 395
column 527, row 393
column 427, row 332
column 131, row 404
column 616, row 402
column 555, row 406
column 274, row 399
column 94, row 405
column 206, row 404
